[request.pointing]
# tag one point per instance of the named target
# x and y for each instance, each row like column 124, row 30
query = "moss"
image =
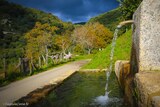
column 136, row 95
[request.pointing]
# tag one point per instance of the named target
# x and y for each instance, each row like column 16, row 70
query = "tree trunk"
column 61, row 57
column 34, row 66
column 89, row 51
column 46, row 55
column 39, row 62
column 20, row 65
column 5, row 67
column 52, row 60
column 44, row 60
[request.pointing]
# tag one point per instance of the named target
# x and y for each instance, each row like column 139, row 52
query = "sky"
column 71, row 10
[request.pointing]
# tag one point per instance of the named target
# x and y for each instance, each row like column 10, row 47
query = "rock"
column 156, row 101
column 146, row 37
column 148, row 87
column 122, row 70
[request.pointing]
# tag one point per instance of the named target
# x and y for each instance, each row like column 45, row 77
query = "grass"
column 101, row 60
column 81, row 57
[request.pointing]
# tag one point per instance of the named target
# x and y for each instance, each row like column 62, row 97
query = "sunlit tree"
column 38, row 41
column 92, row 36
column 63, row 42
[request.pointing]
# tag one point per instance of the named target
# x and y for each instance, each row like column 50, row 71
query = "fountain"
column 140, row 75
column 104, row 99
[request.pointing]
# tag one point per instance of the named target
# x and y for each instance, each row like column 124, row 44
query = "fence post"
column 5, row 67
column 31, row 66
column 20, row 64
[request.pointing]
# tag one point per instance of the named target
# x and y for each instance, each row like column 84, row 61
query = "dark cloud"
column 71, row 10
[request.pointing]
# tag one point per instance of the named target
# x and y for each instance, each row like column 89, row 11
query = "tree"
column 128, row 7
column 92, row 36
column 103, row 35
column 38, row 41
column 63, row 42
column 81, row 36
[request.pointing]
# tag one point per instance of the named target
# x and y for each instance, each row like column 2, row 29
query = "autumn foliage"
column 92, row 36
column 38, row 41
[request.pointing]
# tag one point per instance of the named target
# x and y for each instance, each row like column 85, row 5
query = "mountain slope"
column 109, row 19
column 16, row 20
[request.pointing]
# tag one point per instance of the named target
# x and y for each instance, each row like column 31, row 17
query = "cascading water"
column 104, row 99
column 111, row 57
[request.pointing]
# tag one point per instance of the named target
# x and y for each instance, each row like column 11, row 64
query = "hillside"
column 122, row 52
column 16, row 20
column 109, row 19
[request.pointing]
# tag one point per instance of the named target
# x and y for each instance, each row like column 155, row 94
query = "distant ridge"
column 80, row 23
column 109, row 19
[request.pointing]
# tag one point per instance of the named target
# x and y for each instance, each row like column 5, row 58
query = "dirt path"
column 18, row 89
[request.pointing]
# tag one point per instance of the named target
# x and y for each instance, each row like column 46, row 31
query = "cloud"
column 71, row 10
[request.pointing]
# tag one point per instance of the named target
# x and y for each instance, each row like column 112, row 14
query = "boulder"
column 156, row 101
column 122, row 70
column 148, row 87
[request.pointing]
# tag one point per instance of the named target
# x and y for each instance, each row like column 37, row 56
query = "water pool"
column 81, row 90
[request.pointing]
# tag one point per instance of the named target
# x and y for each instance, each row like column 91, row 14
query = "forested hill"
column 16, row 20
column 109, row 19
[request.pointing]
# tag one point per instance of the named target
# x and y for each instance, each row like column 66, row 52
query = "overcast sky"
column 71, row 10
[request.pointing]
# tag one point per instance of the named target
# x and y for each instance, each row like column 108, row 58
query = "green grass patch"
column 81, row 57
column 101, row 60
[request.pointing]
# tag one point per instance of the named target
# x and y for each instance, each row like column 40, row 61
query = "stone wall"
column 141, row 84
column 146, row 37
column 145, row 58
column 122, row 71
column 148, row 89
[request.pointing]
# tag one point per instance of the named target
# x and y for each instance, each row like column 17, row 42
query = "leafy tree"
column 78, row 49
column 128, row 7
column 63, row 42
column 103, row 36
column 38, row 41
column 92, row 36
